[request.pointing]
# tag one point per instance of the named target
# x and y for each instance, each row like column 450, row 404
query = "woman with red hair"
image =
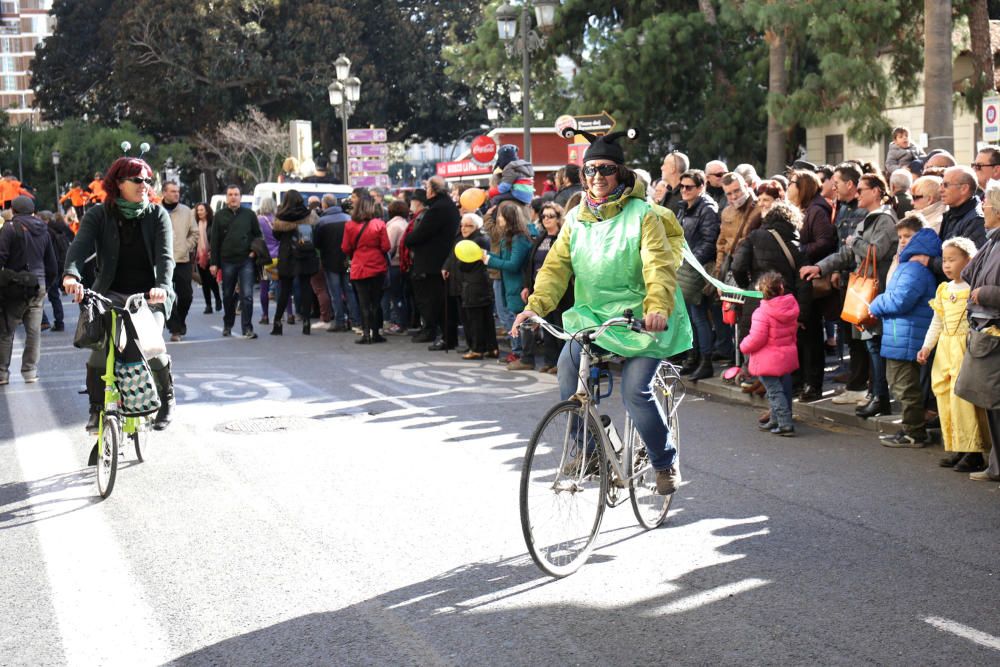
column 133, row 242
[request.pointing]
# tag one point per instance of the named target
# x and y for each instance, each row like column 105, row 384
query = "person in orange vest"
column 77, row 197
column 10, row 188
column 96, row 187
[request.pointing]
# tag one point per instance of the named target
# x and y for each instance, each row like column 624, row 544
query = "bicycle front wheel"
column 107, row 461
column 563, row 484
column 650, row 507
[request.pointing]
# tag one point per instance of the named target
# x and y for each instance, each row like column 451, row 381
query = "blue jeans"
column 505, row 316
column 880, row 385
column 394, row 307
column 637, row 394
column 342, row 296
column 703, row 335
column 779, row 397
column 723, row 331
column 244, row 273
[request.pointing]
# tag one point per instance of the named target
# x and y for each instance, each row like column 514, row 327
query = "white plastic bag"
column 147, row 330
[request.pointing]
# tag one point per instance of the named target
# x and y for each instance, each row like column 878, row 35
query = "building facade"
column 24, row 24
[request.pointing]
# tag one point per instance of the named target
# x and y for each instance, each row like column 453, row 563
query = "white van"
column 218, row 201
column 276, row 191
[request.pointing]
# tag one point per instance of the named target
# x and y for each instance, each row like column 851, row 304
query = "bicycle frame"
column 111, row 396
column 587, row 401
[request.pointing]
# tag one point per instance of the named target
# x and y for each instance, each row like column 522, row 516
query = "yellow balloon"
column 468, row 251
column 472, row 199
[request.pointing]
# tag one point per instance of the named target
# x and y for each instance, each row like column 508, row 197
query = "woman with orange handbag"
column 876, row 231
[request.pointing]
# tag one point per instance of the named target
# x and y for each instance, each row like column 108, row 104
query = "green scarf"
column 132, row 210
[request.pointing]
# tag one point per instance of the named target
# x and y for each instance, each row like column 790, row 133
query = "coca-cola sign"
column 484, row 150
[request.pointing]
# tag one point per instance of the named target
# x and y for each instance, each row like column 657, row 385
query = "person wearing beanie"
column 26, row 248
column 517, row 177
column 622, row 252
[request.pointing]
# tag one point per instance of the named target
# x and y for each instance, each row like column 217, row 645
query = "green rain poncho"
column 628, row 259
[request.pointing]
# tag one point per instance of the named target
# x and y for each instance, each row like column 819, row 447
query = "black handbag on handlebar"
column 92, row 327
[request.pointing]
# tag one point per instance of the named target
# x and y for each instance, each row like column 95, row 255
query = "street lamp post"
column 55, row 166
column 529, row 41
column 344, row 93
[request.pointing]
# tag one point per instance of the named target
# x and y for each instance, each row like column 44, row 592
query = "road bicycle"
column 116, row 431
column 576, row 464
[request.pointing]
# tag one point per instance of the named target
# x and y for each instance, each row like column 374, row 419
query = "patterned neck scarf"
column 595, row 204
column 132, row 210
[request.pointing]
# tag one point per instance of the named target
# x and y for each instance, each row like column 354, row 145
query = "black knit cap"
column 604, row 147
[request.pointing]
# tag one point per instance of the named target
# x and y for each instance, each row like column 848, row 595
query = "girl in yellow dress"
column 963, row 425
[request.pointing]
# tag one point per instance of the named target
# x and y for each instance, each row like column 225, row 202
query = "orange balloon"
column 472, row 199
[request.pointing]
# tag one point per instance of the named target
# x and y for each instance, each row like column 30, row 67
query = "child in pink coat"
column 771, row 345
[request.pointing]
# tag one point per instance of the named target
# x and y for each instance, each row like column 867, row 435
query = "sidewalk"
column 820, row 411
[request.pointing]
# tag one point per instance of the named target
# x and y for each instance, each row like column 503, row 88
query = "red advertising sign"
column 574, row 153
column 461, row 168
column 484, row 150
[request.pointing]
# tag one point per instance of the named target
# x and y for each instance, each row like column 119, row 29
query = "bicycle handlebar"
column 592, row 333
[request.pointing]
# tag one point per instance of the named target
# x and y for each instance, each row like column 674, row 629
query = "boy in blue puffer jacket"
column 905, row 311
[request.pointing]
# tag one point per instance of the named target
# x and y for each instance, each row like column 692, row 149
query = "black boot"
column 876, row 406
column 704, row 370
column 95, row 393
column 690, row 363
column 306, row 327
column 276, row 327
column 165, row 389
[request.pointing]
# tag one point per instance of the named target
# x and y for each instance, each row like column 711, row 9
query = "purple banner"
column 376, row 181
column 366, row 136
column 368, row 150
column 357, row 166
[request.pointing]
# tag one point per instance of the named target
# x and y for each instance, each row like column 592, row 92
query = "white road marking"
column 98, row 602
column 702, row 598
column 964, row 631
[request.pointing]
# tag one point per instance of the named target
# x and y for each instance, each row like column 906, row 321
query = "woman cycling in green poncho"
column 623, row 253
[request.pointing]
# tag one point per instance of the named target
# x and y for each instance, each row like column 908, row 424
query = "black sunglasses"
column 138, row 179
column 686, row 186
column 602, row 169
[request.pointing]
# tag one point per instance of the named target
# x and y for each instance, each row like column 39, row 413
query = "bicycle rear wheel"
column 107, row 462
column 562, row 489
column 650, row 507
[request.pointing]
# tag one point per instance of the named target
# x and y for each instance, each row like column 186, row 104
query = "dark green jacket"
column 99, row 234
column 232, row 234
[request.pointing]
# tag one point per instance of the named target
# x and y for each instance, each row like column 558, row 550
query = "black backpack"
column 302, row 242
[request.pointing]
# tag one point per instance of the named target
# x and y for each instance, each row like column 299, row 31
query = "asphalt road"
column 381, row 527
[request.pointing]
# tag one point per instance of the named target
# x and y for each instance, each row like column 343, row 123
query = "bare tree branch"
column 254, row 146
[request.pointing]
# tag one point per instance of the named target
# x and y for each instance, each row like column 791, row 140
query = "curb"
column 822, row 411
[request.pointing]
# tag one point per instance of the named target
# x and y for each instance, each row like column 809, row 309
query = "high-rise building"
column 23, row 25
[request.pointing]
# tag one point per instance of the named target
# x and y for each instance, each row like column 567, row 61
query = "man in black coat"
column 430, row 242
column 569, row 186
column 329, row 236
column 25, row 246
column 964, row 216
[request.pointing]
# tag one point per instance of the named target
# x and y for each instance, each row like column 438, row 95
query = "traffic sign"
column 595, row 123
column 483, row 149
column 991, row 118
column 366, row 136
column 357, row 166
column 368, row 150
column 373, row 181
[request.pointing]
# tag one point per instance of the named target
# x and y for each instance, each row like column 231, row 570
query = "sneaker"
column 850, row 397
column 45, row 326
column 358, row 330
column 983, row 476
column 58, row 326
column 784, row 431
column 511, row 357
column 30, row 379
column 903, row 441
column 250, row 334
column 227, row 332
column 767, row 426
column 395, row 330
column 333, row 327
column 668, row 481
column 518, row 365
column 175, row 338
